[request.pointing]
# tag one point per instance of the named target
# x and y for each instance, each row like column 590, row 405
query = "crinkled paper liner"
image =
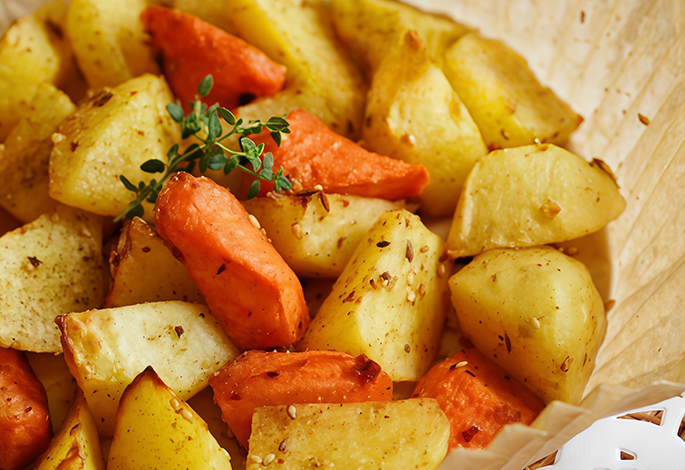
column 620, row 64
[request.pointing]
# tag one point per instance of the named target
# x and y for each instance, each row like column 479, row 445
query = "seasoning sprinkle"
column 268, row 458
column 409, row 253
column 441, row 270
column 282, row 445
column 254, row 221
column 424, row 249
column 458, row 365
column 175, row 404
column 187, row 415
column 256, row 458
column 297, row 230
column 291, row 411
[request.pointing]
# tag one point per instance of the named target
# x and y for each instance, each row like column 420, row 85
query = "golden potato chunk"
column 389, row 303
column 529, row 196
column 49, row 267
column 144, row 270
column 60, row 385
column 320, row 78
column 405, row 434
column 316, row 233
column 412, row 113
column 111, row 134
column 32, row 51
column 106, row 349
column 536, row 313
column 369, row 28
column 76, row 446
column 505, row 99
column 156, row 429
column 109, row 42
column 26, row 153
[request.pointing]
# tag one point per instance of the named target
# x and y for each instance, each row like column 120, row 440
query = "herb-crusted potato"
column 144, row 270
column 76, row 446
column 320, row 77
column 111, row 134
column 412, row 113
column 48, row 267
column 369, row 28
column 529, row 196
column 106, row 349
column 32, row 51
column 109, row 42
column 536, row 313
column 316, row 233
column 26, row 153
column 405, row 434
column 156, row 429
column 503, row 96
column 389, row 302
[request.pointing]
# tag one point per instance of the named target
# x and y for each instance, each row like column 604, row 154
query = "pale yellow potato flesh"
column 317, row 233
column 156, row 429
column 320, row 77
column 48, row 267
column 59, row 384
column 109, row 41
column 390, row 300
column 111, row 134
column 529, row 196
column 369, row 28
column 25, row 155
column 413, row 114
column 406, row 434
column 32, row 51
column 106, row 349
column 536, row 313
column 505, row 99
column 76, row 446
column 144, row 270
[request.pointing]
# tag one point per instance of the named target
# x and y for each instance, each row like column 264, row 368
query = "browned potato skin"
column 25, row 429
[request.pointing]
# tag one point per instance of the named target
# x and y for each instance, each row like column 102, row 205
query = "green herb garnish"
column 211, row 154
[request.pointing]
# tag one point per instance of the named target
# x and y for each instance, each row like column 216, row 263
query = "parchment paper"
column 612, row 60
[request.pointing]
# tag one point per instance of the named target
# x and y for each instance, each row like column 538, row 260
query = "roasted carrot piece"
column 25, row 429
column 314, row 154
column 192, row 49
column 258, row 378
column 245, row 282
column 478, row 397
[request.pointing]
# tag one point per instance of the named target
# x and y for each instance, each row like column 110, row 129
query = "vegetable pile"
column 307, row 289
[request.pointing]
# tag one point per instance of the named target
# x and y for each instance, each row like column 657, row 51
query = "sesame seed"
column 441, row 270
column 268, row 459
column 254, row 221
column 187, row 415
column 422, row 291
column 256, row 458
column 297, row 230
column 318, row 187
column 411, row 296
column 424, row 249
column 57, row 137
column 282, row 445
column 410, row 278
column 85, row 232
column 291, row 411
column 175, row 404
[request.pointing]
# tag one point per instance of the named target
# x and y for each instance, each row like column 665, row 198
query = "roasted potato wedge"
column 536, row 313
column 60, row 385
column 316, row 233
column 144, row 270
column 320, row 78
column 26, row 153
column 106, row 349
column 406, row 434
column 389, row 303
column 532, row 195
column 412, row 113
column 369, row 28
column 111, row 134
column 32, row 51
column 109, row 42
column 503, row 96
column 76, row 446
column 25, row 429
column 156, row 429
column 49, row 267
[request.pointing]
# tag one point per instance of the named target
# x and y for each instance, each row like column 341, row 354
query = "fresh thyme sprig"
column 211, row 154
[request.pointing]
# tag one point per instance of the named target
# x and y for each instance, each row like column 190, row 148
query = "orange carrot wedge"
column 478, row 398
column 192, row 49
column 314, row 154
column 247, row 285
column 25, row 429
column 259, row 378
